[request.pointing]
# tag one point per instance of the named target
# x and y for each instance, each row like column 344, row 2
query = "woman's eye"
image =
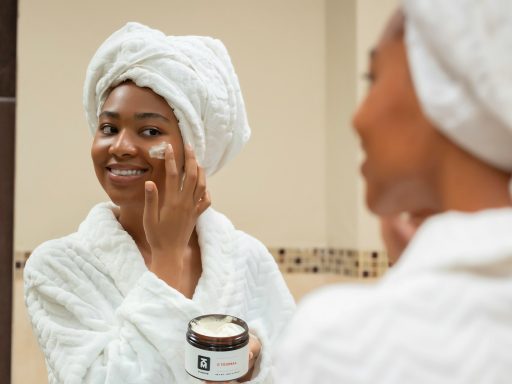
column 108, row 130
column 369, row 77
column 151, row 132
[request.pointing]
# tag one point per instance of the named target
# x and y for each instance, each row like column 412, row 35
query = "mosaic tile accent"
column 20, row 258
column 345, row 262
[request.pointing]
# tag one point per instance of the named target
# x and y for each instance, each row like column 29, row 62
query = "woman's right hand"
column 169, row 224
column 254, row 352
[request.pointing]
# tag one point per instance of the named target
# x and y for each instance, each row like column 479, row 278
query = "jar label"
column 216, row 365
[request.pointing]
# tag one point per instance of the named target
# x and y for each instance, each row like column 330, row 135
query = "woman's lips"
column 125, row 174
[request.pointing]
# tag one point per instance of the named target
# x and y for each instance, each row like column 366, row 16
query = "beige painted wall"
column 295, row 184
column 342, row 148
column 274, row 189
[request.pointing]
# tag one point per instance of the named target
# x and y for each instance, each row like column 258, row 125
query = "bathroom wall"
column 300, row 63
column 295, row 185
column 274, row 189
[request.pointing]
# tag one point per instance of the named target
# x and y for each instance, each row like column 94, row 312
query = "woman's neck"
column 468, row 184
column 130, row 217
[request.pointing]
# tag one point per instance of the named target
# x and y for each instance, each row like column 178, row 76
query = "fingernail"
column 251, row 355
column 148, row 185
column 170, row 148
column 189, row 147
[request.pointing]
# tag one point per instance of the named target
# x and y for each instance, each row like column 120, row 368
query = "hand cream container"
column 217, row 348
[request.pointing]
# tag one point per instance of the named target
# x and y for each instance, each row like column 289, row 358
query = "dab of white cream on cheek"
column 158, row 151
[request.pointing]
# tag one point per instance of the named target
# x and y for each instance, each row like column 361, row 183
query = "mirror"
column 295, row 186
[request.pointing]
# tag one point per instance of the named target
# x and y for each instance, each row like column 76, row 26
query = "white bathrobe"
column 442, row 315
column 101, row 317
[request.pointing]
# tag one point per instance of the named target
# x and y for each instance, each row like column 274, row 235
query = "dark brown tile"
column 8, row 19
column 7, row 115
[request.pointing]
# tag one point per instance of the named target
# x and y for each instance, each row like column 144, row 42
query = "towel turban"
column 194, row 74
column 460, row 55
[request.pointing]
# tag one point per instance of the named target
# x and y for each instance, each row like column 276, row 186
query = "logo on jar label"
column 203, row 363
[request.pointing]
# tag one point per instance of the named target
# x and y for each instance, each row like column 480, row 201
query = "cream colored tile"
column 28, row 366
column 300, row 284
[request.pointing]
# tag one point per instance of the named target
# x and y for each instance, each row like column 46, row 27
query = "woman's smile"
column 125, row 173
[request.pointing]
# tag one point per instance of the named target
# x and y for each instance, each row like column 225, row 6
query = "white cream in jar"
column 217, row 348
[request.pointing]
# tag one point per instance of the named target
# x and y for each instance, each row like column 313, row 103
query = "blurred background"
column 296, row 185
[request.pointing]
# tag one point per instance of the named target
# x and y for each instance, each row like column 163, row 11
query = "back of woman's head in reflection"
column 433, row 137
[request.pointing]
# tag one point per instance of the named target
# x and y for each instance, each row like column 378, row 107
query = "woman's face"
column 132, row 120
column 399, row 143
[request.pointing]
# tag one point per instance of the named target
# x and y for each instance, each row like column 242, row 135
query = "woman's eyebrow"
column 138, row 116
column 150, row 115
column 112, row 115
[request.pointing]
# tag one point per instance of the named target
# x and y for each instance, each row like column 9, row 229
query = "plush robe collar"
column 116, row 249
column 473, row 242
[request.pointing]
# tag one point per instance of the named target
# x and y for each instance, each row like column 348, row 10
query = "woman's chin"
column 123, row 199
column 380, row 205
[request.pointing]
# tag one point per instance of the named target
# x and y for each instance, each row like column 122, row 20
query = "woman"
column 436, row 128
column 111, row 302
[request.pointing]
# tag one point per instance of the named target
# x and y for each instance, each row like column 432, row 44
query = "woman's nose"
column 123, row 145
column 360, row 118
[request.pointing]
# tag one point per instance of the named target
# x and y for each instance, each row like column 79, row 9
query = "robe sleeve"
column 270, row 308
column 85, row 341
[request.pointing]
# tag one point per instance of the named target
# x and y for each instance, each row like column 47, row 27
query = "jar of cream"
column 217, row 348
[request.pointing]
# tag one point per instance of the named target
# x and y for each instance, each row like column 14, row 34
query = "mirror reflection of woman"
column 110, row 303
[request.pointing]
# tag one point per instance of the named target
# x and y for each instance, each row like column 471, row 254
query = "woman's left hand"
column 254, row 352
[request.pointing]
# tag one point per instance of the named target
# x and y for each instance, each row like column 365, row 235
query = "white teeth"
column 126, row 172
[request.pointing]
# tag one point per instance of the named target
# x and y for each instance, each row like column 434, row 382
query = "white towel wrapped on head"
column 194, row 74
column 461, row 63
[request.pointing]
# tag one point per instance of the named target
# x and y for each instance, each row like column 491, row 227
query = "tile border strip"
column 338, row 261
column 316, row 260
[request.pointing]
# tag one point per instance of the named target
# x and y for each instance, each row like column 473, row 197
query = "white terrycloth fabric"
column 194, row 74
column 442, row 315
column 102, row 317
column 460, row 54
